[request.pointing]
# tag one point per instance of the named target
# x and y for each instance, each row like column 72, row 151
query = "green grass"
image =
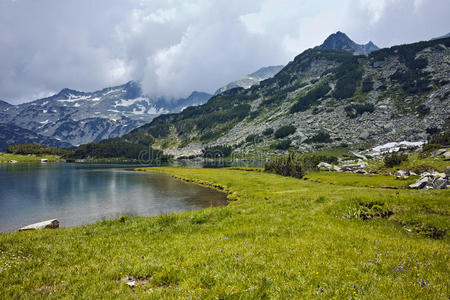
column 351, row 179
column 416, row 162
column 283, row 238
column 6, row 157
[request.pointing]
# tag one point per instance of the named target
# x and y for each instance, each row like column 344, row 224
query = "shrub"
column 356, row 109
column 321, row 137
column 367, row 85
column 289, row 165
column 394, row 159
column 348, row 77
column 267, row 131
column 296, row 165
column 284, row 131
column 423, row 110
column 441, row 139
column 36, row 149
column 253, row 138
column 217, row 151
column 305, row 102
column 282, row 145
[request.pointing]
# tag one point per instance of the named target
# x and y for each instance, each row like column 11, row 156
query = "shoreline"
column 286, row 230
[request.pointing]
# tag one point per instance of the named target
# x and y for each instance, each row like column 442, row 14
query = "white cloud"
column 175, row 47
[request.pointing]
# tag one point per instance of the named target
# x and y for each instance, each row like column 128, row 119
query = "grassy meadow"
column 331, row 236
column 31, row 158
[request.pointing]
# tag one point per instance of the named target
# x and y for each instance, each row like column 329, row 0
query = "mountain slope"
column 340, row 41
column 442, row 37
column 329, row 98
column 14, row 135
column 251, row 79
column 80, row 117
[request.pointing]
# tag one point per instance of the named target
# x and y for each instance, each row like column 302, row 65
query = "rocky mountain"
column 81, row 117
column 251, row 79
column 442, row 37
column 14, row 135
column 195, row 98
column 4, row 104
column 322, row 98
column 340, row 41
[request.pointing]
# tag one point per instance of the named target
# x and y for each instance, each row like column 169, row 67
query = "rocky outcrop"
column 432, row 181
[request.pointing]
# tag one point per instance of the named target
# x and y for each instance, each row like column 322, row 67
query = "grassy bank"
column 6, row 157
column 283, row 238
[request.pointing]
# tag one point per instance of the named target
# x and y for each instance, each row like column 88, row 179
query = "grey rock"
column 440, row 184
column 364, row 134
column 446, row 155
column 402, row 174
column 447, row 172
column 419, row 184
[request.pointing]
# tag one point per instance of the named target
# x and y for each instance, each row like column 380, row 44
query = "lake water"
column 77, row 194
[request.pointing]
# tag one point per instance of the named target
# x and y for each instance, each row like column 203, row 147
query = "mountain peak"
column 67, row 92
column 340, row 41
column 4, row 103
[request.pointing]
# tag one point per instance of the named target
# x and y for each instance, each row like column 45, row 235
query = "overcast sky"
column 173, row 47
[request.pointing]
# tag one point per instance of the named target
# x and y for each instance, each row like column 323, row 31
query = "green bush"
column 422, row 110
column 296, row 165
column 356, row 109
column 282, row 145
column 440, row 138
column 37, row 150
column 305, row 102
column 367, row 85
column 253, row 138
column 217, row 151
column 289, row 165
column 267, row 131
column 284, row 131
column 348, row 76
column 320, row 137
column 394, row 159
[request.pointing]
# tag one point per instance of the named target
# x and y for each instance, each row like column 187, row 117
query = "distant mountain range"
column 12, row 135
column 442, row 37
column 76, row 117
column 323, row 92
column 251, row 79
column 340, row 41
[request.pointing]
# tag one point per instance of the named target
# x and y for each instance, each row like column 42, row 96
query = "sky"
column 173, row 47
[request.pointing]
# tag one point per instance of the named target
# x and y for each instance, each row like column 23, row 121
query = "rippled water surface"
column 77, row 194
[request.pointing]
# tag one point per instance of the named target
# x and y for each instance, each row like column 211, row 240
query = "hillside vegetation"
column 330, row 97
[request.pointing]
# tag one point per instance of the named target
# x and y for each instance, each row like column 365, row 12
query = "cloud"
column 174, row 47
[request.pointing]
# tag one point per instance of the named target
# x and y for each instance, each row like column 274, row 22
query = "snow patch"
column 130, row 102
column 393, row 147
column 73, row 98
column 111, row 91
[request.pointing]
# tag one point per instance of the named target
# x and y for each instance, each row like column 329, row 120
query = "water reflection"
column 79, row 194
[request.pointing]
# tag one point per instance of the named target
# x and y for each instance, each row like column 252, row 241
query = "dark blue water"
column 77, row 194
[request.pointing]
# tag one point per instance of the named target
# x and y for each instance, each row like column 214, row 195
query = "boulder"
column 438, row 152
column 431, row 181
column 324, row 165
column 329, row 167
column 419, row 184
column 54, row 223
column 402, row 174
column 447, row 172
column 440, row 184
column 447, row 155
column 358, row 155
